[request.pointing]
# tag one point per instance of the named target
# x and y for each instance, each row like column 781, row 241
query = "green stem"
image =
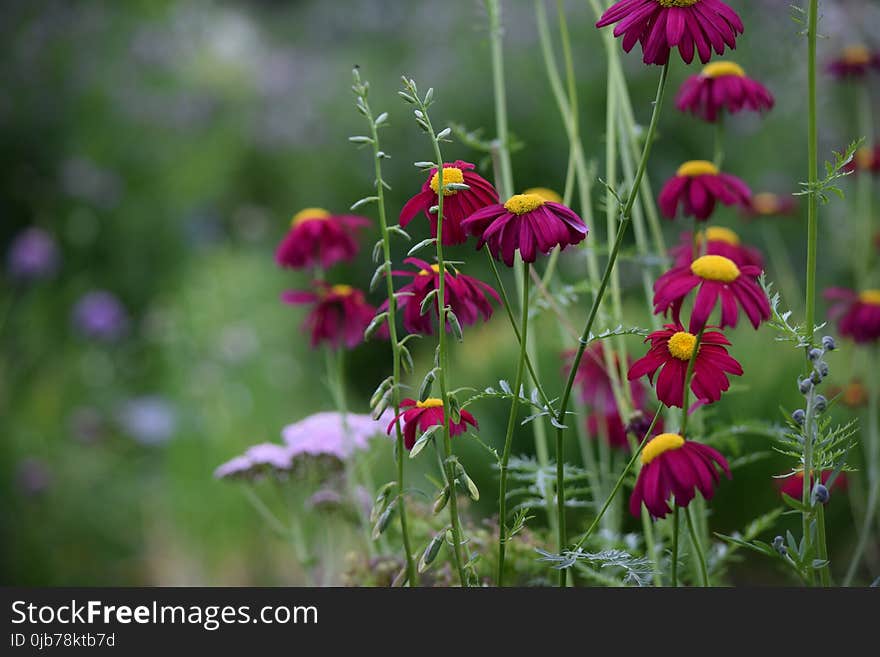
column 674, row 563
column 686, row 393
column 813, row 157
column 719, row 140
column 864, row 193
column 493, row 8
column 824, row 572
column 511, row 424
column 698, row 548
column 808, row 475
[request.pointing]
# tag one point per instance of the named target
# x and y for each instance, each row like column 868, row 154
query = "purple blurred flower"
column 238, row 467
column 100, row 315
column 330, row 433
column 257, row 460
column 325, row 499
column 32, row 476
column 149, row 420
column 86, row 424
column 32, row 255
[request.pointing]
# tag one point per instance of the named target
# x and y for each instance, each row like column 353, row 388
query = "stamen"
column 721, row 234
column 722, row 69
column 676, row 3
column 430, row 402
column 682, row 345
column 309, row 214
column 665, row 442
column 715, row 268
column 870, row 297
column 545, row 193
column 450, row 175
column 696, row 168
column 856, row 55
column 342, row 290
column 522, row 203
column 434, row 268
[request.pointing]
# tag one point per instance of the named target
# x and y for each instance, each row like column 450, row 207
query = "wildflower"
column 672, row 350
column 528, row 223
column 467, row 296
column 660, row 25
column 422, row 415
column 32, row 255
column 866, row 158
column 458, row 204
column 333, row 434
column 853, row 394
column 257, row 461
column 697, row 187
column 718, row 241
column 722, row 86
column 799, row 416
column 99, row 315
column 673, row 466
column 793, row 484
column 854, row 61
column 858, row 313
column 339, row 315
column 767, row 204
column 717, row 278
column 318, row 238
column 150, row 420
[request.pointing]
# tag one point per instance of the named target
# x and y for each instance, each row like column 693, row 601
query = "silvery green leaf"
column 424, row 439
column 363, row 201
column 431, row 551
column 406, row 359
column 422, row 164
column 400, row 232
column 429, row 96
column 454, row 325
column 375, row 325
column 377, row 251
column 456, row 187
column 377, row 276
column 421, row 245
column 360, row 139
column 427, row 384
column 443, row 134
column 428, row 302
column 380, row 119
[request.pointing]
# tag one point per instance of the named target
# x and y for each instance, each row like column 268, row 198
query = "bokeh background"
column 164, row 146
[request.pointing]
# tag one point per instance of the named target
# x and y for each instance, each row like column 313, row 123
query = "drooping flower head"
column 671, row 351
column 527, row 223
column 716, row 240
column 32, row 255
column 458, row 204
column 661, row 25
column 421, row 415
column 865, row 160
column 718, row 278
column 318, row 238
column 854, row 62
column 673, row 466
column 99, row 315
column 857, row 313
column 697, row 187
column 467, row 296
column 767, row 204
column 339, row 314
column 722, row 86
column 793, row 484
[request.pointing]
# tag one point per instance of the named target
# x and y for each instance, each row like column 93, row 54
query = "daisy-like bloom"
column 528, row 223
column 722, row 86
column 697, row 187
column 854, row 62
column 467, row 296
column 858, row 313
column 458, row 205
column 673, row 466
column 671, row 351
column 716, row 240
column 866, row 158
column 339, row 314
column 661, row 25
column 317, row 237
column 767, row 204
column 421, row 415
column 793, row 485
column 717, row 278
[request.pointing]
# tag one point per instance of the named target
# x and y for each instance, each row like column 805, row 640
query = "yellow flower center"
column 856, row 55
column 342, row 290
column 864, row 157
column 545, row 193
column 434, row 268
column 450, row 175
column 676, row 3
column 682, row 345
column 721, row 69
column 765, row 203
column 696, row 168
column 430, row 402
column 522, row 203
column 715, row 268
column 871, row 297
column 721, row 234
column 665, row 442
column 308, row 214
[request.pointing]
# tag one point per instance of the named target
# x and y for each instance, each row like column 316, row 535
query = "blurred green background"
column 165, row 144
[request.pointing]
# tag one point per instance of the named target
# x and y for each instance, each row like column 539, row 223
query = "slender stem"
column 493, row 8
column 824, row 572
column 411, row 570
column 674, row 563
column 808, row 474
column 698, row 548
column 813, row 157
column 511, row 424
column 719, row 140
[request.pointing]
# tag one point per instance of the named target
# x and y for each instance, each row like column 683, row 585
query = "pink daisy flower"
column 339, row 314
column 661, row 25
column 857, row 313
column 673, row 466
column 718, row 278
column 793, row 485
column 697, row 187
column 854, row 62
column 528, row 223
column 722, row 86
column 716, row 240
column 317, row 237
column 458, row 205
column 671, row 351
column 467, row 296
column 422, row 415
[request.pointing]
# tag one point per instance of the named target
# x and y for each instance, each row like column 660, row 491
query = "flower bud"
column 822, row 368
column 820, row 403
column 821, row 494
column 442, row 499
column 804, row 385
column 828, row 343
column 779, row 545
column 799, row 416
column 815, row 354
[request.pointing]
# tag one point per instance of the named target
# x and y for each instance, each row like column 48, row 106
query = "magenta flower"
column 671, row 466
column 858, row 313
column 32, row 255
column 422, row 415
column 767, row 204
column 718, row 278
column 466, row 295
column 528, row 223
column 318, row 238
column 716, row 240
column 697, row 187
column 661, row 25
column 722, row 86
column 339, row 314
column 854, row 62
column 671, row 351
column 458, row 205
